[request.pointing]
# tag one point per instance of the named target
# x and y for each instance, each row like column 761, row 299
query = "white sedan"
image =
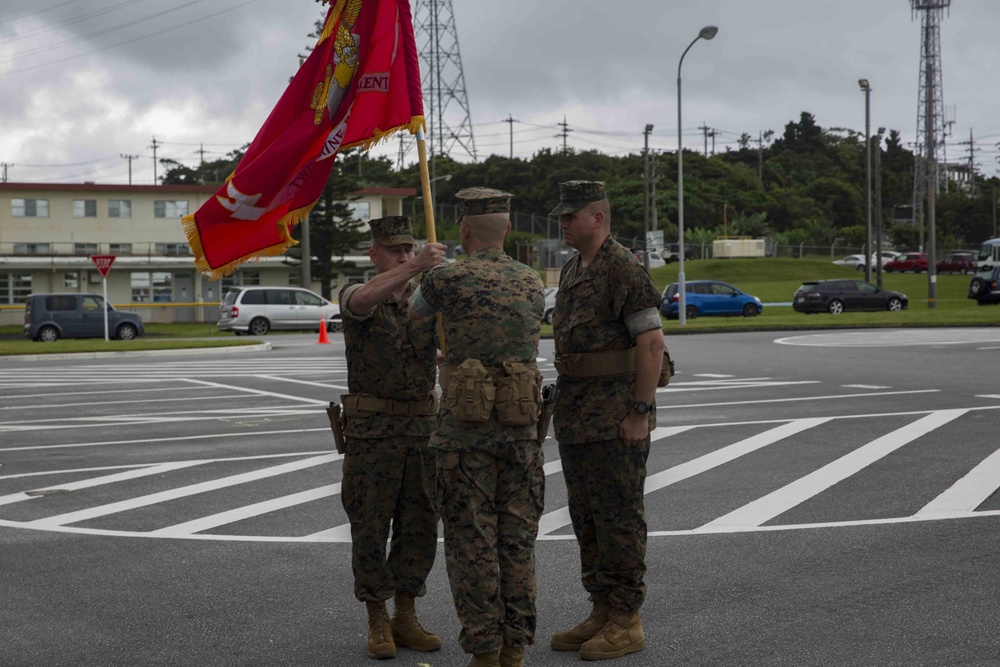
column 853, row 261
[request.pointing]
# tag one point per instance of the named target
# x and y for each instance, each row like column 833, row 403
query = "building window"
column 360, row 210
column 85, row 249
column 119, row 208
column 120, row 248
column 170, row 209
column 32, row 248
column 84, row 208
column 240, row 278
column 173, row 249
column 29, row 208
column 71, row 280
column 14, row 288
column 156, row 287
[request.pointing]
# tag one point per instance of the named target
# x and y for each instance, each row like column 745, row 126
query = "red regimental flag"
column 359, row 85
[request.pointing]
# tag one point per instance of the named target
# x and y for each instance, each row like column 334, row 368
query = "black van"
column 49, row 317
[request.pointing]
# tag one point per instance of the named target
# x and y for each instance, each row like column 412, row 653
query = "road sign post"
column 103, row 264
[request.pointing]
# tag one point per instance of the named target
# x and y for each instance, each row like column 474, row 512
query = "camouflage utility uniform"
column 491, row 483
column 598, row 308
column 388, row 468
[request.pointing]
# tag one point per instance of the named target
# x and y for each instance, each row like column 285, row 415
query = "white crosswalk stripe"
column 956, row 499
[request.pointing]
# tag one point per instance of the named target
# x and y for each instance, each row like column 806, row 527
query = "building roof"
column 390, row 192
column 104, row 187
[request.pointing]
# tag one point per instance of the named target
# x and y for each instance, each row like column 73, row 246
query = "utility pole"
column 510, row 120
column 760, row 158
column 704, row 131
column 565, row 133
column 712, row 134
column 5, row 165
column 201, row 153
column 645, row 198
column 154, row 146
column 652, row 191
column 129, row 158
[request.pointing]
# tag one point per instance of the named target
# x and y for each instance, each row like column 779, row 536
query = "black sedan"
column 837, row 296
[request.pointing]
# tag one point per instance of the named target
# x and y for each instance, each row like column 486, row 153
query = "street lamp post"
column 645, row 200
column 878, row 206
column 868, row 179
column 708, row 32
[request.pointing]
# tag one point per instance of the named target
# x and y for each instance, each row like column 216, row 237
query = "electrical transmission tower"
column 931, row 127
column 446, row 104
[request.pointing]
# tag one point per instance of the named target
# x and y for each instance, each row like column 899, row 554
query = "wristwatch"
column 642, row 408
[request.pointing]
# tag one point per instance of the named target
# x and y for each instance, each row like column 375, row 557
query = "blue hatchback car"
column 709, row 297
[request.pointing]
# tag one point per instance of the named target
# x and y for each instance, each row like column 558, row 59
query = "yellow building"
column 48, row 231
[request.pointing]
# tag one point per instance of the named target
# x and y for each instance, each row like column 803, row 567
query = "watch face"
column 640, row 407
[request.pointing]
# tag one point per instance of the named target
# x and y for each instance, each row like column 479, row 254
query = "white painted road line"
column 795, row 398
column 98, row 481
column 160, row 440
column 310, row 384
column 762, row 510
column 558, row 519
column 968, row 493
column 729, row 453
column 259, row 392
column 181, row 492
column 247, row 512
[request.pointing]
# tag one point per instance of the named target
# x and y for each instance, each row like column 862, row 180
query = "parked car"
column 910, row 261
column 655, row 259
column 258, row 310
column 985, row 288
column 671, row 252
column 838, row 296
column 888, row 255
column 550, row 304
column 49, row 317
column 708, row 297
column 852, row 261
column 957, row 262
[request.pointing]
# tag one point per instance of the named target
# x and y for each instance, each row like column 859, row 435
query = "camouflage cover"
column 491, row 309
column 392, row 230
column 483, row 201
column 591, row 307
column 389, row 357
column 574, row 195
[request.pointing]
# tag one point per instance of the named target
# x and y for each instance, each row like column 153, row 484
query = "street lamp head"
column 649, row 128
column 708, row 32
column 881, row 131
column 864, row 85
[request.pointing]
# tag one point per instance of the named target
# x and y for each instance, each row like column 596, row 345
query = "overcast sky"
column 86, row 81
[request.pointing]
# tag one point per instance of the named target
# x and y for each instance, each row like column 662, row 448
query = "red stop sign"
column 103, row 263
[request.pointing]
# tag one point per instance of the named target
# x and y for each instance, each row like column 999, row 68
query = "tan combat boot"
column 512, row 656
column 621, row 636
column 380, row 643
column 406, row 629
column 572, row 640
column 491, row 659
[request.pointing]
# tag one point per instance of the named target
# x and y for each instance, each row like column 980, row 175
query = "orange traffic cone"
column 323, row 340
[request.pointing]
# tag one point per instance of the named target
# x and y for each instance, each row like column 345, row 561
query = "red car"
column 909, row 261
column 957, row 262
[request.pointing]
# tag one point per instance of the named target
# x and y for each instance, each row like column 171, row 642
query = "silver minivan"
column 258, row 310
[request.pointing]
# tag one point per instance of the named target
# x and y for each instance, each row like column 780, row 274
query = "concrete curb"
column 262, row 347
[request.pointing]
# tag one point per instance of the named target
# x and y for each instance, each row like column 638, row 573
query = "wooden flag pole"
column 425, row 184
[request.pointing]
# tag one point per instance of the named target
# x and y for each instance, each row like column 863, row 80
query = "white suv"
column 258, row 310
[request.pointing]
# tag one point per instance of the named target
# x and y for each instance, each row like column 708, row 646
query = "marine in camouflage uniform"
column 388, row 468
column 606, row 303
column 491, row 483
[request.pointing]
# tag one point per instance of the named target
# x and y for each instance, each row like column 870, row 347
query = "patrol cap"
column 393, row 230
column 483, row 201
column 574, row 195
